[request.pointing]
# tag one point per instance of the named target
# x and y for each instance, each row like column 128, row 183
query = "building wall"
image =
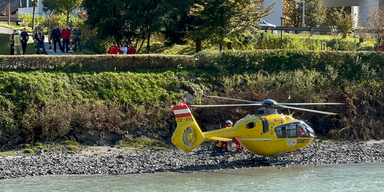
column 359, row 8
column 29, row 8
column 39, row 9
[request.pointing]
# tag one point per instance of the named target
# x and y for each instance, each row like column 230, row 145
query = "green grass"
column 160, row 48
column 143, row 142
column 85, row 51
column 5, row 46
column 7, row 153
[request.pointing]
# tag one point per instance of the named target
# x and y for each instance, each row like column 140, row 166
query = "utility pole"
column 34, row 3
column 9, row 13
column 303, row 20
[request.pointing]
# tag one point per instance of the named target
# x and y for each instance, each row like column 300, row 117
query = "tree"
column 67, row 6
column 151, row 14
column 126, row 20
column 291, row 10
column 339, row 17
column 314, row 12
column 177, row 20
column 34, row 4
column 225, row 20
column 374, row 23
column 50, row 5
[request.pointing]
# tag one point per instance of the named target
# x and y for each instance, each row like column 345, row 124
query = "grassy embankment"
column 123, row 94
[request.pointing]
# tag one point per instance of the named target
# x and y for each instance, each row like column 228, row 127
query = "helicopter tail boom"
column 188, row 134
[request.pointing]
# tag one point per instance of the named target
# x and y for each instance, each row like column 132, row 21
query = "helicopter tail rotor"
column 188, row 134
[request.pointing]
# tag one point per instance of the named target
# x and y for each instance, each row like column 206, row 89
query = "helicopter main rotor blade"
column 227, row 98
column 311, row 103
column 309, row 110
column 229, row 105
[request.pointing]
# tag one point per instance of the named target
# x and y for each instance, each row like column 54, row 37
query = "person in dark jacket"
column 77, row 33
column 24, row 40
column 56, row 38
column 39, row 38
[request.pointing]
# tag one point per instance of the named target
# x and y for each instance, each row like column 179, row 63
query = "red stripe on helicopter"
column 177, row 107
column 181, row 111
column 183, row 115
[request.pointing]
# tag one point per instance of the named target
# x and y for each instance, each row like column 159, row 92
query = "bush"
column 26, row 18
column 143, row 142
column 73, row 147
column 29, row 151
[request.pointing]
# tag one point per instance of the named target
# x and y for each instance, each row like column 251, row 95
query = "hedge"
column 349, row 65
column 84, row 63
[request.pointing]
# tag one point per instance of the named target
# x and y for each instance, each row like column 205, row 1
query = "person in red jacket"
column 224, row 144
column 66, row 33
column 114, row 49
column 131, row 49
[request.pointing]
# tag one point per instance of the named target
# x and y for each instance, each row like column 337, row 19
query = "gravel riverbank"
column 128, row 161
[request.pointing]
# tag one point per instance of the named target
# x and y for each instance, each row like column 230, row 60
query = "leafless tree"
column 374, row 23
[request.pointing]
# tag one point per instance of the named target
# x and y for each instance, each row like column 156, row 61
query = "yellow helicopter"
column 266, row 133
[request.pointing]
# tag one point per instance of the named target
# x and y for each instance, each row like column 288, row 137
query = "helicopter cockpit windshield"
column 309, row 129
column 291, row 130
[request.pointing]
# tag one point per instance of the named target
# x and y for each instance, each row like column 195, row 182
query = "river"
column 342, row 177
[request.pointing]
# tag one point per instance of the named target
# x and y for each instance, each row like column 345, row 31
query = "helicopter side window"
column 265, row 125
column 280, row 132
column 291, row 130
column 250, row 125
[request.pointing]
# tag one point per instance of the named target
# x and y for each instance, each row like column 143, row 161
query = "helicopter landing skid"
column 286, row 162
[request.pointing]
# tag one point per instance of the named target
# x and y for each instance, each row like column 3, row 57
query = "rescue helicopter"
column 265, row 133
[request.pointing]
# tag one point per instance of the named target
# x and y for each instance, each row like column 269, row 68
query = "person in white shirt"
column 124, row 49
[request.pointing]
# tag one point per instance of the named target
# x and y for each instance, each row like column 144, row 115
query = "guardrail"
column 311, row 29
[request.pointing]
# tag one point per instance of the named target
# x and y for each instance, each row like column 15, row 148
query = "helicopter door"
column 265, row 125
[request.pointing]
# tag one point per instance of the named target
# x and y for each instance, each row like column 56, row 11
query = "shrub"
column 26, row 18
column 143, row 142
column 69, row 142
column 29, row 151
column 73, row 147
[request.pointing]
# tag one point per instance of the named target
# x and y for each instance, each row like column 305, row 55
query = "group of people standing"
column 124, row 49
column 19, row 40
column 65, row 34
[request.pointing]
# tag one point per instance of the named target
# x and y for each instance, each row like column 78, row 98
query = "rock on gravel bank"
column 175, row 160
